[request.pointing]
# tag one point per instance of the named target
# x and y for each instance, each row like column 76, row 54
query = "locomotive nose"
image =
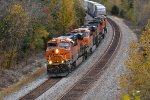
column 57, row 51
column 59, row 56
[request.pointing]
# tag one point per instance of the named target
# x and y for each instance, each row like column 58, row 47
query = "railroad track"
column 41, row 89
column 87, row 80
column 84, row 84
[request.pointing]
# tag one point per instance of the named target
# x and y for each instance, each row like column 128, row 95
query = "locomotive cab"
column 59, row 56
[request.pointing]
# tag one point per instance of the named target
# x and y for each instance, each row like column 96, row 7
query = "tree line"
column 137, row 11
column 26, row 26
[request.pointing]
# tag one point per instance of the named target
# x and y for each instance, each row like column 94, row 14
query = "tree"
column 115, row 10
column 137, row 77
column 79, row 12
column 15, row 28
column 66, row 15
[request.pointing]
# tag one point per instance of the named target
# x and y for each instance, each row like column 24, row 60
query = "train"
column 94, row 9
column 63, row 52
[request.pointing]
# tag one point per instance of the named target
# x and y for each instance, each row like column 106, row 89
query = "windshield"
column 85, row 34
column 64, row 45
column 51, row 45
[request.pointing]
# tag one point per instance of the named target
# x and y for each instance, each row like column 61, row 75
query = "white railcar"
column 99, row 10
column 95, row 9
column 90, row 7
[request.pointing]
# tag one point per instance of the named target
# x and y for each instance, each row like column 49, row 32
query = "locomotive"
column 63, row 52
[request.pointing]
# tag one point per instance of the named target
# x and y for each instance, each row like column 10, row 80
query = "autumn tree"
column 13, row 30
column 26, row 26
column 66, row 15
column 137, row 11
column 137, row 77
column 79, row 12
column 63, row 15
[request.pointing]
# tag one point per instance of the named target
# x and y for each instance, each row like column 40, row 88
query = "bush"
column 122, row 13
column 115, row 10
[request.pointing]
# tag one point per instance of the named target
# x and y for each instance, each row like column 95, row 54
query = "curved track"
column 41, row 89
column 86, row 81
column 80, row 88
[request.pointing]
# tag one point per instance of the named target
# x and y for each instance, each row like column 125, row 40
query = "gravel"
column 107, row 87
column 28, row 88
column 65, row 84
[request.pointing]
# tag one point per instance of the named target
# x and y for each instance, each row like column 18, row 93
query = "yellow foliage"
column 42, row 32
column 9, row 58
column 137, row 77
column 16, row 9
column 17, row 19
column 126, row 97
column 16, row 23
column 66, row 14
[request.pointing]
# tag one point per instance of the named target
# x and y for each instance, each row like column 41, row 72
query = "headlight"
column 50, row 62
column 57, row 51
column 62, row 61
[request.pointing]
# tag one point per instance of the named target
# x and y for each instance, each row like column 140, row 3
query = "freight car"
column 95, row 9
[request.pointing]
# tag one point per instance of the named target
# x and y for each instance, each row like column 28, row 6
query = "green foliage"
column 122, row 13
column 79, row 12
column 131, row 15
column 115, row 10
column 26, row 43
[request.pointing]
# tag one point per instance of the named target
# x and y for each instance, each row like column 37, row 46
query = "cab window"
column 85, row 34
column 51, row 45
column 64, row 45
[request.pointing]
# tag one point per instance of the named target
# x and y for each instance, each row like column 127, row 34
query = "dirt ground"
column 13, row 75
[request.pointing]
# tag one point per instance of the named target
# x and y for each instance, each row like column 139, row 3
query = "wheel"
column 97, row 44
column 103, row 36
column 85, row 55
column 74, row 65
column 69, row 67
column 91, row 50
column 99, row 40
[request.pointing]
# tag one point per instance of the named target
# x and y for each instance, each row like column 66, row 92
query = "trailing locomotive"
column 63, row 52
